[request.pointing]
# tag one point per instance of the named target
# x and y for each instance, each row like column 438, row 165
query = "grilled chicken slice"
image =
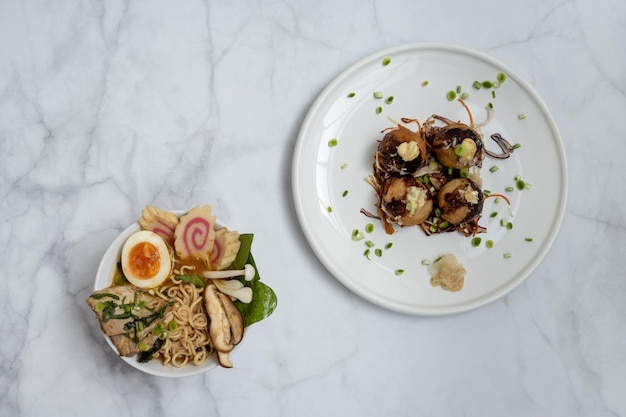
column 128, row 315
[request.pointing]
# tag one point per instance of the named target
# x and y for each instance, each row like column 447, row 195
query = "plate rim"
column 296, row 186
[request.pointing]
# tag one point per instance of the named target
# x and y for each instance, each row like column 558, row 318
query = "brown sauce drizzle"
column 505, row 146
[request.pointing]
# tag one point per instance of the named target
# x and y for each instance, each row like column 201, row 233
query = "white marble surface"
column 107, row 106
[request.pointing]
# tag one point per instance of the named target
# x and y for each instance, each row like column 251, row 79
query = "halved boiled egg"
column 146, row 259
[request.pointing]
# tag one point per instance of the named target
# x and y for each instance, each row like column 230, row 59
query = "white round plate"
column 104, row 278
column 322, row 174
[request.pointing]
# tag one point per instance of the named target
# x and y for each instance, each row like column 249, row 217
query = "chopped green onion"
column 517, row 145
column 158, row 329
column 329, row 209
column 399, row 272
column 458, row 150
column 386, row 61
column 425, row 261
column 494, row 214
column 507, row 255
column 99, row 306
column 438, row 259
column 344, row 166
column 378, row 94
column 367, row 254
column 487, row 193
column 437, row 212
column 517, row 178
column 191, row 279
column 388, row 246
column 458, row 89
column 379, row 110
column 503, row 222
column 521, row 116
column 424, row 83
column 509, row 225
column 142, row 346
column 173, row 326
column 357, row 235
column 520, row 185
column 477, row 85
column 487, row 84
column 451, row 95
column 476, row 242
column 378, row 252
column 493, row 93
column 389, row 100
column 333, row 142
column 464, row 96
column 501, row 77
column 529, row 239
column 369, row 244
column 494, row 168
column 509, row 189
column 489, row 244
column 443, row 225
column 433, row 229
column 140, row 326
column 369, row 228
column 464, row 173
column 350, row 95
column 345, row 193
column 497, row 200
column 490, row 105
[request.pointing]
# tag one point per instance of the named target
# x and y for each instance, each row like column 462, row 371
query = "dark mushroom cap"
column 446, row 139
column 387, row 155
column 395, row 197
column 454, row 206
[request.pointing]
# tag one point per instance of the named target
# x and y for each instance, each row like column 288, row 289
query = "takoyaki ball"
column 401, row 152
column 460, row 200
column 406, row 201
column 458, row 146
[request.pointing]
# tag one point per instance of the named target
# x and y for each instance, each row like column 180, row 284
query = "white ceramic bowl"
column 104, row 278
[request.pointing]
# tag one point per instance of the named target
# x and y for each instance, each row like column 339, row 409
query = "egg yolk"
column 144, row 260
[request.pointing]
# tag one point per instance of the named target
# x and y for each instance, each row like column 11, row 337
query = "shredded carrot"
column 471, row 119
column 501, row 196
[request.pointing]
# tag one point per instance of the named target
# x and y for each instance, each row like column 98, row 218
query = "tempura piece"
column 194, row 236
column 225, row 248
column 160, row 222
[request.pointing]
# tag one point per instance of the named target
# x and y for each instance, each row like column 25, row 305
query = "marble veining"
column 108, row 106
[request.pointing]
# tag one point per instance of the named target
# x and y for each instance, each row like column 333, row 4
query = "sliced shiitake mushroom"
column 406, row 201
column 401, row 152
column 225, row 323
column 457, row 146
column 460, row 200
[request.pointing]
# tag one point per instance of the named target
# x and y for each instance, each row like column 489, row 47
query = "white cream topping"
column 470, row 195
column 408, row 151
column 416, row 198
column 469, row 149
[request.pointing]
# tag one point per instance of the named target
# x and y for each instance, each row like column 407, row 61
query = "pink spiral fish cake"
column 195, row 234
